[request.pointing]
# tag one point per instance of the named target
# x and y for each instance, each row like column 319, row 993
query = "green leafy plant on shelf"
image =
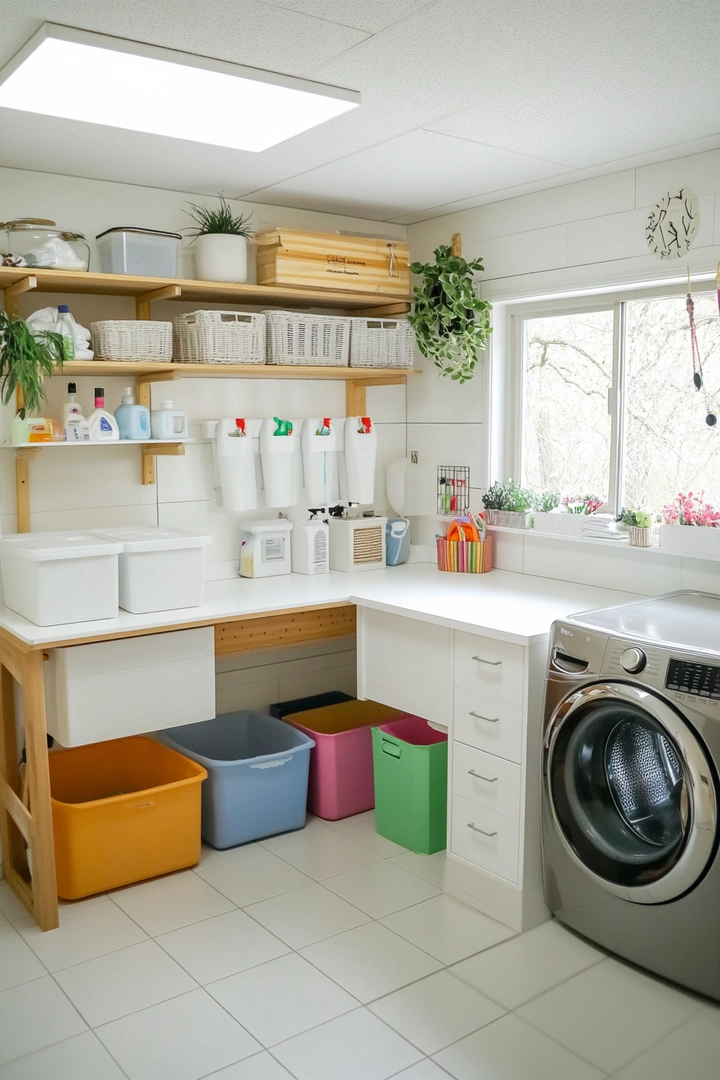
column 451, row 322
column 639, row 519
column 544, row 502
column 508, row 496
column 213, row 219
column 25, row 360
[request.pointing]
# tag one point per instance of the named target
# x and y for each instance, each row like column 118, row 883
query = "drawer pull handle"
column 488, row 719
column 487, row 779
column 482, row 831
column 490, row 663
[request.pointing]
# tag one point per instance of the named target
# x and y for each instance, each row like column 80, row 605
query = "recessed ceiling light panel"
column 79, row 75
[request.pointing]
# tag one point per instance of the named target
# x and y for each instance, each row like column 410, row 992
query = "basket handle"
column 391, row 749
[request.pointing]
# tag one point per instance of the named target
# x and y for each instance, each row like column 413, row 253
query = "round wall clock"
column 673, row 223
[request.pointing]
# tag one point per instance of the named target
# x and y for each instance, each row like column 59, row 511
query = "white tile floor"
column 327, row 954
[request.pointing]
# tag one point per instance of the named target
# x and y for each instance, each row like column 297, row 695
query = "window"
column 606, row 402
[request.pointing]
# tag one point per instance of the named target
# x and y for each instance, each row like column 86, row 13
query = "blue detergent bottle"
column 133, row 420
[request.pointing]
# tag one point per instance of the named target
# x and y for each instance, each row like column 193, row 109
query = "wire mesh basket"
column 220, row 337
column 295, row 338
column 383, row 343
column 132, row 340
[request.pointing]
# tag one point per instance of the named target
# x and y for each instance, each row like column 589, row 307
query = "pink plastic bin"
column 341, row 764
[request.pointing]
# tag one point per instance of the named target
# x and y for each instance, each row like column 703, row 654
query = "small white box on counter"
column 133, row 685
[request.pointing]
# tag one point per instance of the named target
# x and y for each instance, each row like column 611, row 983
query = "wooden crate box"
column 331, row 261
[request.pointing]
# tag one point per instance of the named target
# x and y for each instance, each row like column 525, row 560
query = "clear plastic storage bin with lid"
column 140, row 252
column 38, row 243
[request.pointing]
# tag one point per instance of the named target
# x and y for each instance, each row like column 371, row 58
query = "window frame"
column 512, row 407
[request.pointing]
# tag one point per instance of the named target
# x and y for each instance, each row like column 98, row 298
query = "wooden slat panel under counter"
column 284, row 628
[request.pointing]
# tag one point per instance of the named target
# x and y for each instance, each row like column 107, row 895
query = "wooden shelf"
column 18, row 280
column 154, row 369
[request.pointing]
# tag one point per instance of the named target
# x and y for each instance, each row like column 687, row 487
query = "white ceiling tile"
column 417, row 170
column 370, row 15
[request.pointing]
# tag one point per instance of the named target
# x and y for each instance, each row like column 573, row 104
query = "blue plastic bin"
column 257, row 775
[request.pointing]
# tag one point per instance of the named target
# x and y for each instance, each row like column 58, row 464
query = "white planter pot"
column 550, row 523
column 690, row 540
column 512, row 519
column 569, row 524
column 221, row 257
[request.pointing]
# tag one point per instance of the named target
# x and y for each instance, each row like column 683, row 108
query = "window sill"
column 608, row 544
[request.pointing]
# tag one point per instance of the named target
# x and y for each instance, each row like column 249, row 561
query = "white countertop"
column 511, row 607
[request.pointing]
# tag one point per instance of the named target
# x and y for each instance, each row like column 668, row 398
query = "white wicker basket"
column 220, row 337
column 381, row 343
column 295, row 338
column 136, row 339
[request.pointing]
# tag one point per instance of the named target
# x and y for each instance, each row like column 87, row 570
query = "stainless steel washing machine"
column 631, row 753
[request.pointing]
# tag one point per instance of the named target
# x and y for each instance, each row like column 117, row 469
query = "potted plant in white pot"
column 690, row 526
column 639, row 526
column 548, row 512
column 577, row 506
column 220, row 238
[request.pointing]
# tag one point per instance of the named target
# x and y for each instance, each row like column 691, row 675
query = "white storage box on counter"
column 111, row 689
column 159, row 569
column 54, row 578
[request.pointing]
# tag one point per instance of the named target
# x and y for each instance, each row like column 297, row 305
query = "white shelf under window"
column 609, row 545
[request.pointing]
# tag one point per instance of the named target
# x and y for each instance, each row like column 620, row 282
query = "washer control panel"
column 700, row 680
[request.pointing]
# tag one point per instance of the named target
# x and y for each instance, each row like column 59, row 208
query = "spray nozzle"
column 240, row 426
column 365, row 425
column 284, row 427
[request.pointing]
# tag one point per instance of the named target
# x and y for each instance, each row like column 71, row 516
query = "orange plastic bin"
column 341, row 764
column 123, row 811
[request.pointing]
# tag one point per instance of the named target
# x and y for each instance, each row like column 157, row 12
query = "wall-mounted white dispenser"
column 265, row 548
column 235, row 465
column 357, row 473
column 319, row 451
column 310, row 547
column 280, row 445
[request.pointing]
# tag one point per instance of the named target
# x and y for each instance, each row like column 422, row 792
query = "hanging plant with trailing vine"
column 451, row 322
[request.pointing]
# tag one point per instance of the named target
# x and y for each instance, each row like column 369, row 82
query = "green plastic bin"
column 410, row 773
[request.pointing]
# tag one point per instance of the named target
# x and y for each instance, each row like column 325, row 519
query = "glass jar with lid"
column 41, row 245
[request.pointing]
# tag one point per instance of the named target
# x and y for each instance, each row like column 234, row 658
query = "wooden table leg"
column 25, row 807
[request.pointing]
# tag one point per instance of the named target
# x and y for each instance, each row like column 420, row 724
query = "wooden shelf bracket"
column 143, row 302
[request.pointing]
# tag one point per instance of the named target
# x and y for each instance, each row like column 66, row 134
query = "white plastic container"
column 265, row 548
column 54, row 578
column 140, row 252
column 111, row 689
column 319, row 451
column 102, row 424
column 168, row 423
column 235, row 465
column 310, row 548
column 357, row 474
column 159, row 569
column 281, row 463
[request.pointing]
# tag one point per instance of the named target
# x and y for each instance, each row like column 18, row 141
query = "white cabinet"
column 489, row 693
column 405, row 663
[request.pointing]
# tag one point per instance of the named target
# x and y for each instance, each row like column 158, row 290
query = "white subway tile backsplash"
column 433, row 398
column 92, row 518
column 441, row 444
column 631, row 570
column 188, row 478
column 203, row 518
column 83, row 478
column 700, row 575
column 507, row 551
column 391, row 445
column 388, row 404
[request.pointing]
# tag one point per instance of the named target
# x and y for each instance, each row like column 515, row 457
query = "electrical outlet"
column 413, row 457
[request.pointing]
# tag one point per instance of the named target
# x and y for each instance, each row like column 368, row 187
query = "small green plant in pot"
column 220, row 237
column 639, row 526
column 25, row 360
column 451, row 322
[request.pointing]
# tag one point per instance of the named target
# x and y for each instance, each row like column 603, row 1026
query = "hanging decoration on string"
column 698, row 376
column 673, row 224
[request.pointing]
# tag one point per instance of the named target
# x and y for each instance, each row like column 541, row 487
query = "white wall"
column 84, row 489
column 585, row 235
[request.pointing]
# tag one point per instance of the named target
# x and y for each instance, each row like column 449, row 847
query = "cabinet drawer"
column 488, row 724
column 495, row 847
column 489, row 667
column 486, row 779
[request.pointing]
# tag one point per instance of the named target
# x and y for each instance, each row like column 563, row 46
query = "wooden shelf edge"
column 368, row 376
column 68, row 281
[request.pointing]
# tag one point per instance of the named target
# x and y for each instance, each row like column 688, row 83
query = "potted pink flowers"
column 702, row 534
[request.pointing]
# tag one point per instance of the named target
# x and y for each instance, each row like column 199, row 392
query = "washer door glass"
column 619, row 791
